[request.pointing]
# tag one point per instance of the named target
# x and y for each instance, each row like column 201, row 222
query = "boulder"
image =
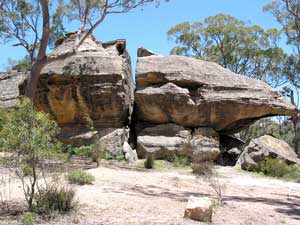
column 199, row 208
column 263, row 147
column 163, row 141
column 130, row 154
column 205, row 145
column 114, row 141
column 95, row 85
column 9, row 88
column 195, row 93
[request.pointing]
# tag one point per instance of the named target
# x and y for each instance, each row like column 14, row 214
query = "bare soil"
column 125, row 195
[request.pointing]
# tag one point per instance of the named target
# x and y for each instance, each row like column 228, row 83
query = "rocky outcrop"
column 201, row 97
column 90, row 94
column 9, row 88
column 94, row 85
column 182, row 104
column 264, row 147
column 163, row 141
column 205, row 145
column 195, row 93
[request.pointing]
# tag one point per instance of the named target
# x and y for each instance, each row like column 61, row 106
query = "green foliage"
column 273, row 167
column 110, row 156
column 55, row 198
column 84, row 150
column 22, row 20
column 149, row 162
column 80, row 177
column 232, row 43
column 22, row 65
column 181, row 161
column 29, row 137
column 94, row 151
column 282, row 130
column 278, row 168
column 28, row 219
column 287, row 14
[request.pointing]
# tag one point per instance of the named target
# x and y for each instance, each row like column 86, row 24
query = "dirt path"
column 123, row 195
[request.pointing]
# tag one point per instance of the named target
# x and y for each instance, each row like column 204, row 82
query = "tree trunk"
column 33, row 80
column 296, row 125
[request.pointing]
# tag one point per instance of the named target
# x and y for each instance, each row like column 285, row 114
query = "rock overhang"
column 195, row 93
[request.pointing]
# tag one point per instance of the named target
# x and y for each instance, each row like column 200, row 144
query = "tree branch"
column 46, row 30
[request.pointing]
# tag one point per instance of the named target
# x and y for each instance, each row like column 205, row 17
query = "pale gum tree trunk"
column 33, row 80
column 40, row 62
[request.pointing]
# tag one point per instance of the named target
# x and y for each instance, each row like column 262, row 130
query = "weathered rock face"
column 263, row 147
column 163, row 141
column 194, row 93
column 93, row 87
column 205, row 145
column 9, row 88
column 94, row 84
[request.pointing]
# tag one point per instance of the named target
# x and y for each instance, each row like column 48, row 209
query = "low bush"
column 278, row 168
column 273, row 167
column 80, row 177
column 181, row 161
column 110, row 156
column 55, row 198
column 28, row 219
column 149, row 162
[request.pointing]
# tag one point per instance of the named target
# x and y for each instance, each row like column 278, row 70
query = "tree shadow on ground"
column 152, row 191
column 289, row 206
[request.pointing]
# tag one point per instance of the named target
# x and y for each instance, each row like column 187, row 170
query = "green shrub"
column 28, row 219
column 278, row 168
column 110, row 156
column 29, row 137
column 80, row 177
column 149, row 162
column 181, row 161
column 55, row 198
column 293, row 173
column 94, row 151
column 273, row 167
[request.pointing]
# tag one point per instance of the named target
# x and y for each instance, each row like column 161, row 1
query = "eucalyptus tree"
column 287, row 14
column 242, row 48
column 35, row 24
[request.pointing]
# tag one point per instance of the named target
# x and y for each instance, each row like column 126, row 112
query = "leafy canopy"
column 29, row 138
column 24, row 21
column 242, row 48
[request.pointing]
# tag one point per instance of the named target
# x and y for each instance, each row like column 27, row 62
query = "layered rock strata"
column 194, row 94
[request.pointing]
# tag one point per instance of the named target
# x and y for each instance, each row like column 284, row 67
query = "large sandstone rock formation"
column 181, row 104
column 197, row 94
column 9, row 88
column 95, row 84
column 90, row 94
column 93, row 88
column 264, row 147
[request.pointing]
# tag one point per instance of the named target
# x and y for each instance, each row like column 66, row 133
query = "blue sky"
column 148, row 27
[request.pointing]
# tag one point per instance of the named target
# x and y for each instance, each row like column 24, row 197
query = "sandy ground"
column 124, row 195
